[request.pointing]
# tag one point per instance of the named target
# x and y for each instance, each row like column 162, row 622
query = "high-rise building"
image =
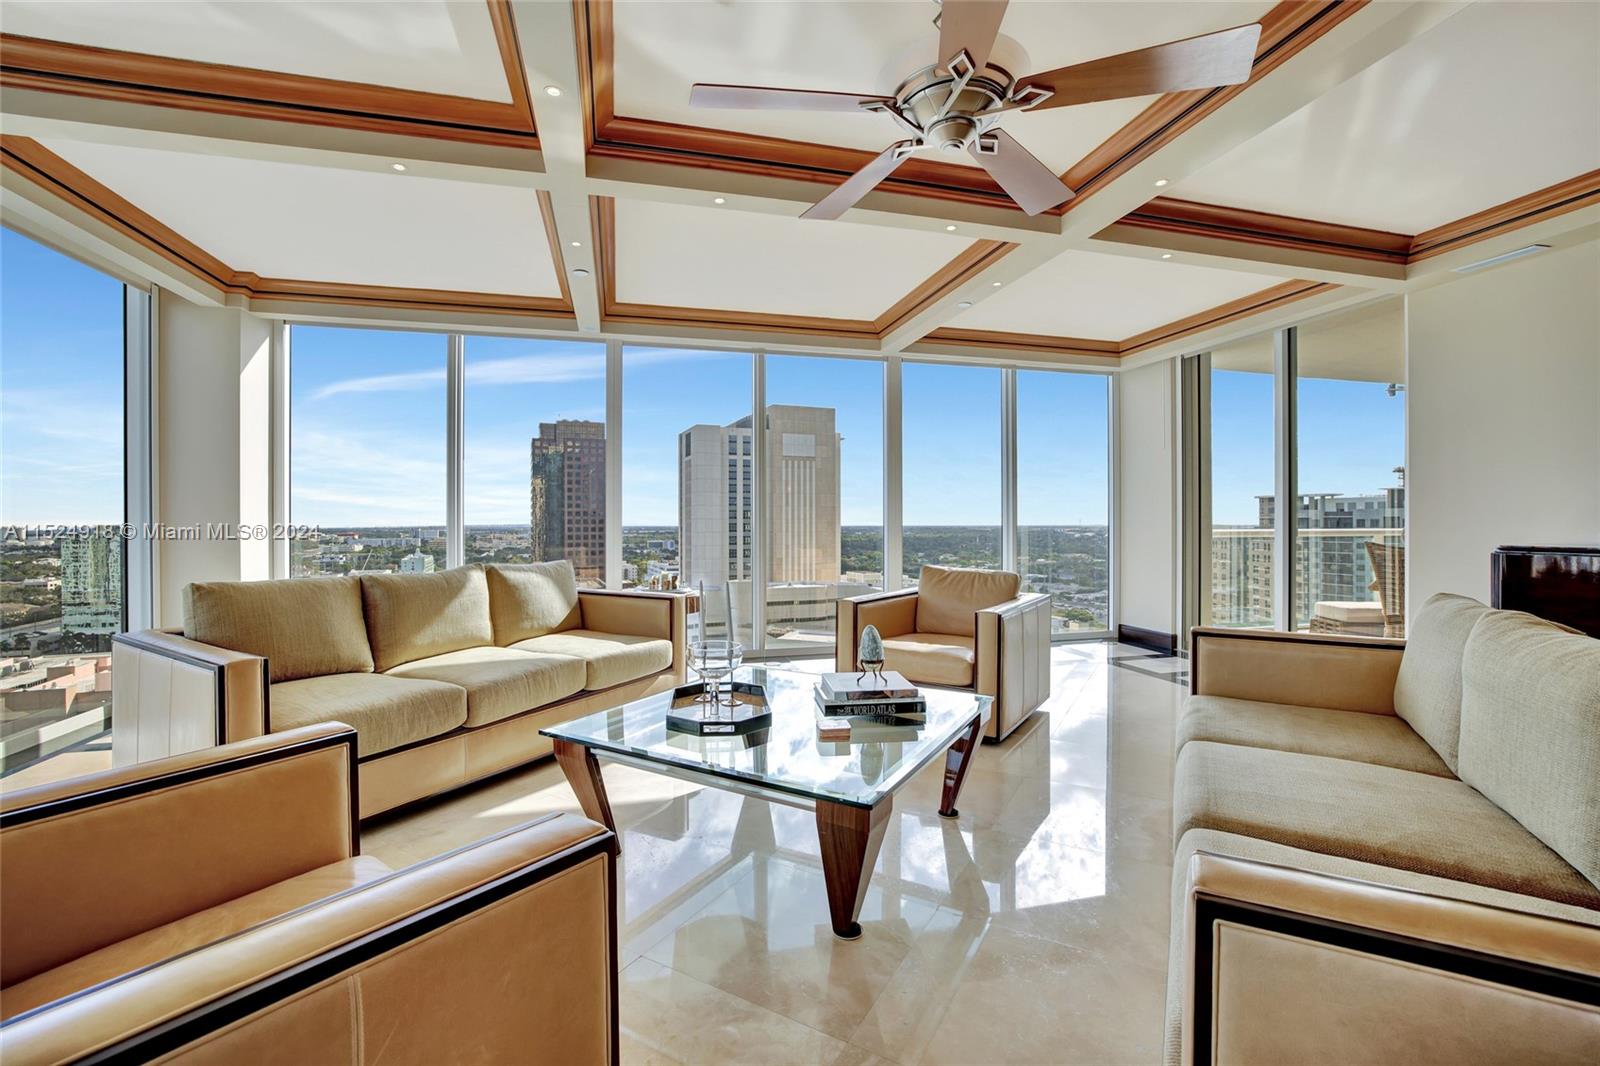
column 418, row 562
column 716, row 507
column 91, row 581
column 567, row 496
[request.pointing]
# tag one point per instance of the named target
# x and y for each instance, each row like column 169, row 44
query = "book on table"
column 869, row 687
column 912, row 711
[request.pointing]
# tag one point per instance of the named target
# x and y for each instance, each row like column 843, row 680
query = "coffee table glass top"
column 789, row 757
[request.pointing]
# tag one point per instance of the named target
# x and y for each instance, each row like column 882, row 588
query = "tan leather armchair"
column 960, row 628
column 215, row 907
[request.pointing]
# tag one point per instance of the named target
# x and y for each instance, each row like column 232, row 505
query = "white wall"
column 1147, row 497
column 210, row 442
column 1503, row 408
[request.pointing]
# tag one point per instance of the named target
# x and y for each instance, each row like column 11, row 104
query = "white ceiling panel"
column 1497, row 101
column 435, row 46
column 312, row 223
column 1107, row 297
column 707, row 257
column 661, row 49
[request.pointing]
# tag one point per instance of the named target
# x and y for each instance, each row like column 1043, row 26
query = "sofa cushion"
column 412, row 616
column 189, row 932
column 948, row 597
column 1530, row 729
column 609, row 658
column 303, row 627
column 386, row 712
column 531, row 599
column 1429, row 825
column 1380, row 739
column 931, row 658
column 1427, row 692
column 500, row 682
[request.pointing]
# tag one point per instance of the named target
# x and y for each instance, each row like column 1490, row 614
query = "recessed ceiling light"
column 1166, row 255
column 1161, row 183
column 399, row 166
column 949, row 229
column 580, row 272
column 577, row 244
column 552, row 90
column 720, row 200
column 997, row 284
column 964, row 304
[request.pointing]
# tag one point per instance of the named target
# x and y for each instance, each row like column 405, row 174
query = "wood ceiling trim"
column 1558, row 199
column 134, row 77
column 1187, row 217
column 1223, row 314
column 1027, row 342
column 547, row 213
column 973, row 260
column 49, row 171
column 1286, row 30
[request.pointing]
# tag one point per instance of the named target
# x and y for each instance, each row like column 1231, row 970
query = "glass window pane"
column 1063, row 495
column 1242, row 483
column 1350, row 524
column 61, row 501
column 950, row 430
column 367, row 450
column 824, row 462
column 688, row 486
column 535, row 458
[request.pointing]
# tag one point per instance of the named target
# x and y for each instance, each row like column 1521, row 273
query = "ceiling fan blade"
column 858, row 184
column 970, row 25
column 763, row 98
column 1203, row 62
column 1029, row 182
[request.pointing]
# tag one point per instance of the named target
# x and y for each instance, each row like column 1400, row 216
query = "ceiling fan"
column 957, row 103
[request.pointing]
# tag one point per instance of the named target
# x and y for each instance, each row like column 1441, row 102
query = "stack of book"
column 877, row 699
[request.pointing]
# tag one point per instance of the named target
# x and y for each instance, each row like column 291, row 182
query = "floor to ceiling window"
column 950, row 428
column 1350, row 425
column 688, row 489
column 1064, row 495
column 534, row 477
column 824, row 493
column 367, row 419
column 1239, row 552
column 63, row 554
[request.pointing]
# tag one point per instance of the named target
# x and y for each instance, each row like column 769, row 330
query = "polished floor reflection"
column 1030, row 929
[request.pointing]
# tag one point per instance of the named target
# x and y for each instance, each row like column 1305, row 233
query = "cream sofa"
column 215, row 907
column 447, row 677
column 1389, row 851
column 960, row 628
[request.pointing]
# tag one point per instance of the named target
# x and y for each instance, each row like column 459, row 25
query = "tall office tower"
column 91, row 581
column 567, row 496
column 716, row 499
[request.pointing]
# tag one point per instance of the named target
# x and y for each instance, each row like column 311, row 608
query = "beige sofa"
column 447, row 677
column 960, row 628
column 1389, row 851
column 215, row 907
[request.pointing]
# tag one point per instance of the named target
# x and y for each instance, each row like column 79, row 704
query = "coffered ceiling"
column 255, row 151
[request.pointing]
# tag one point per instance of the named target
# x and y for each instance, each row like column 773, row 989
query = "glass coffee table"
column 850, row 785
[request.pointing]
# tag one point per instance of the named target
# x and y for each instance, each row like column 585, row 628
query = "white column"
column 614, row 465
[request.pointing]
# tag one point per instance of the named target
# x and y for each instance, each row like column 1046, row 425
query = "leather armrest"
column 173, row 694
column 894, row 613
column 639, row 613
column 99, row 858
column 508, row 944
column 1011, row 649
column 1310, row 669
column 1280, row 964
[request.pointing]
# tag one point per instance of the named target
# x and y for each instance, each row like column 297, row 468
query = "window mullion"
column 455, row 451
column 1286, row 506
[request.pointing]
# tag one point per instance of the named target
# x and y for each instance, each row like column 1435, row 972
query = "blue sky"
column 60, row 388
column 369, row 421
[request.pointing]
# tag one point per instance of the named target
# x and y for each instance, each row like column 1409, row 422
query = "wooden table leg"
column 577, row 761
column 956, row 760
column 850, row 839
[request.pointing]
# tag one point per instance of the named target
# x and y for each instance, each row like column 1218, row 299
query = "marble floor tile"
column 1030, row 928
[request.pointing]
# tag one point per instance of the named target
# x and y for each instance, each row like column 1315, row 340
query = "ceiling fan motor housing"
column 947, row 124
